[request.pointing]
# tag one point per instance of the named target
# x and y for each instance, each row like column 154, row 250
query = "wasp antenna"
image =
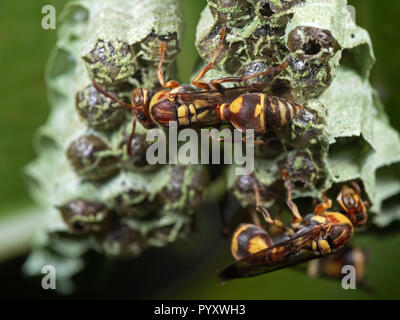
column 162, row 55
column 129, row 146
column 160, row 74
column 292, row 206
column 110, row 95
column 222, row 34
column 220, row 44
column 279, row 68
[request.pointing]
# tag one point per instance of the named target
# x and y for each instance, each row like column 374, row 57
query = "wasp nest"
column 100, row 197
column 103, row 198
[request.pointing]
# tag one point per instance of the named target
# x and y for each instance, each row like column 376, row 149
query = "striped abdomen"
column 258, row 111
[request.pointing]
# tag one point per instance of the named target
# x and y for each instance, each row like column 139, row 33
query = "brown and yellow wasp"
column 245, row 107
column 319, row 234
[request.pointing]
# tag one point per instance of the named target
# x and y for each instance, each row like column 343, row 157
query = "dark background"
column 187, row 270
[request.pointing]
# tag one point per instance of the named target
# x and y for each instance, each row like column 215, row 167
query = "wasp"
column 319, row 234
column 245, row 107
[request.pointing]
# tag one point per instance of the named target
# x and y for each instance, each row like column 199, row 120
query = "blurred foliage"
column 25, row 50
column 189, row 56
column 26, row 47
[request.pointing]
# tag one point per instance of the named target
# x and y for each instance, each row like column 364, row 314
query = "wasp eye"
column 137, row 100
column 137, row 97
column 350, row 202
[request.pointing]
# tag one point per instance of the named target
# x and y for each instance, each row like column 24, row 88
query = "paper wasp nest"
column 97, row 196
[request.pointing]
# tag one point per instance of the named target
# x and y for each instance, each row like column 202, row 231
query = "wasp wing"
column 215, row 97
column 284, row 254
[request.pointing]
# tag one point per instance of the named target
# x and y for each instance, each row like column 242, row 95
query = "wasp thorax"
column 249, row 239
column 161, row 106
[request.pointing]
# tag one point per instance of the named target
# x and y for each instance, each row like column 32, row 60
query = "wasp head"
column 351, row 202
column 140, row 103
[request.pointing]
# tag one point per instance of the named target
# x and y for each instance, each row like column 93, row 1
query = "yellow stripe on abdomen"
column 236, row 105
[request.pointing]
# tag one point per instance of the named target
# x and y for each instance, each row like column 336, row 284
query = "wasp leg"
column 275, row 222
column 217, row 83
column 267, row 217
column 292, row 206
column 255, row 218
column 197, row 81
column 324, row 205
column 172, row 84
column 258, row 204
